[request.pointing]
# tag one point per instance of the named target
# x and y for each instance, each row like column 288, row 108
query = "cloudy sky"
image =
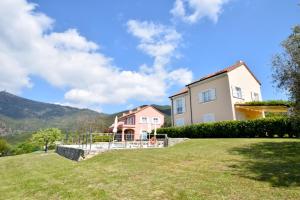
column 113, row 55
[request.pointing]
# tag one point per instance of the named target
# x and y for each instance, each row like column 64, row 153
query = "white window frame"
column 130, row 120
column 179, row 124
column 207, row 95
column 144, row 122
column 236, row 94
column 255, row 96
column 208, row 117
column 176, row 105
column 158, row 120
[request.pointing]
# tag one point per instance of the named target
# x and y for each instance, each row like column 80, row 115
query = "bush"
column 102, row 138
column 4, row 148
column 25, row 147
column 267, row 127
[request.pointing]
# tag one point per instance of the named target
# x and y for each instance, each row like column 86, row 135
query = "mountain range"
column 20, row 115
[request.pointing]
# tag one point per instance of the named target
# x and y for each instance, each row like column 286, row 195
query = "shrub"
column 102, row 138
column 25, row 147
column 4, row 148
column 267, row 127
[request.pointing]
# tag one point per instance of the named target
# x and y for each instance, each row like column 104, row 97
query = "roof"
column 226, row 70
column 182, row 91
column 138, row 109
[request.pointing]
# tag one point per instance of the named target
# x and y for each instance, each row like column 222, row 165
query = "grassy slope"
column 17, row 138
column 196, row 169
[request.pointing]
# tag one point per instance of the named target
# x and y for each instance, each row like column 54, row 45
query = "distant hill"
column 20, row 115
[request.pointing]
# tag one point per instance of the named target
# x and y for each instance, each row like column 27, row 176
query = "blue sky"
column 222, row 33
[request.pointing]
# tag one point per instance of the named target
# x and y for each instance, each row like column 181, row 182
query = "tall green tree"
column 286, row 65
column 47, row 137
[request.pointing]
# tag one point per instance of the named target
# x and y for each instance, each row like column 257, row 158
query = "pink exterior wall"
column 138, row 125
column 150, row 113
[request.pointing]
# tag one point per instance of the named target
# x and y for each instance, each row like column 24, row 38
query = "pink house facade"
column 135, row 124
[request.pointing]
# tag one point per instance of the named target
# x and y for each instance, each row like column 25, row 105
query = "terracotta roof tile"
column 182, row 91
column 227, row 69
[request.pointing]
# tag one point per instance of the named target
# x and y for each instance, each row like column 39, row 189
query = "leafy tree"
column 286, row 67
column 47, row 137
column 25, row 147
column 4, row 147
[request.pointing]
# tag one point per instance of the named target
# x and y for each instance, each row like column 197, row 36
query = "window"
column 129, row 136
column 144, row 120
column 207, row 95
column 155, row 120
column 129, row 121
column 254, row 96
column 237, row 92
column 179, row 122
column 210, row 117
column 118, row 137
column 179, row 106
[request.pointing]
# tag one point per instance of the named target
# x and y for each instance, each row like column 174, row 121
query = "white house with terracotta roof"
column 215, row 97
column 134, row 124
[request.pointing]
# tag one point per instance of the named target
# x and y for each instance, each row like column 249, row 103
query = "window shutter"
column 242, row 94
column 183, row 104
column 234, row 91
column 201, row 97
column 175, row 107
column 213, row 93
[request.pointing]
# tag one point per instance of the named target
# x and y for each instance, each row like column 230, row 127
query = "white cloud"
column 68, row 60
column 71, row 40
column 156, row 40
column 160, row 42
column 192, row 11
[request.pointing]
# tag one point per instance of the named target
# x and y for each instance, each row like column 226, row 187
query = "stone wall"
column 70, row 153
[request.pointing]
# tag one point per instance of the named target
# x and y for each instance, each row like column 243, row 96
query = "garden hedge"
column 102, row 138
column 267, row 127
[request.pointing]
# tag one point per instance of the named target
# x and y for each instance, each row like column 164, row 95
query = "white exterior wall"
column 186, row 115
column 223, row 107
column 241, row 77
column 220, row 107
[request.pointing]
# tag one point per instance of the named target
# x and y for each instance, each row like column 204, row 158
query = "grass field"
column 196, row 169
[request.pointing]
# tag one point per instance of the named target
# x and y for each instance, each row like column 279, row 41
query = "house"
column 215, row 97
column 135, row 124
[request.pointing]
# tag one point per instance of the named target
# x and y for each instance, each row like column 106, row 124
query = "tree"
column 286, row 68
column 4, row 147
column 47, row 137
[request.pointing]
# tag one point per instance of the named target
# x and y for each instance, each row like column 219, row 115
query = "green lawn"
column 196, row 169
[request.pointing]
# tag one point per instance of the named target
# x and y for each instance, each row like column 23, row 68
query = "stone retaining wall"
column 70, row 153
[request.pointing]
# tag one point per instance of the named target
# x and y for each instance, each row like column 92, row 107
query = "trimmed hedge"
column 267, row 127
column 270, row 103
column 102, row 138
